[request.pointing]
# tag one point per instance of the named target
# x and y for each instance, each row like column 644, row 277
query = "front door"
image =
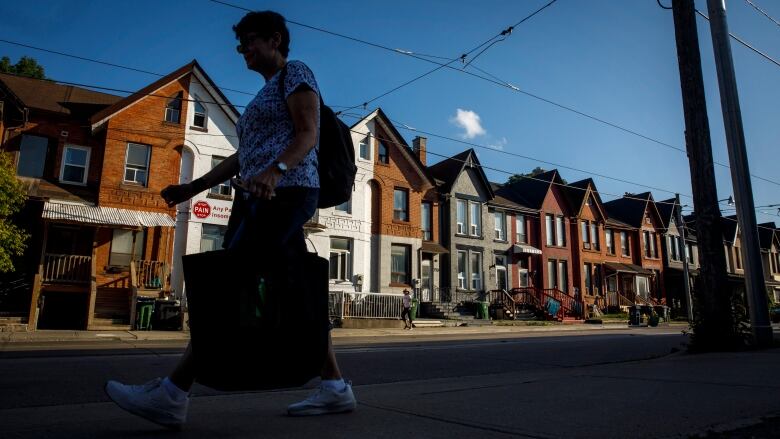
column 426, row 281
column 502, row 281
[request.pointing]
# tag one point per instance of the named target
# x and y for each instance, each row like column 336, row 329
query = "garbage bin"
column 634, row 316
column 167, row 315
column 483, row 311
column 144, row 309
column 415, row 307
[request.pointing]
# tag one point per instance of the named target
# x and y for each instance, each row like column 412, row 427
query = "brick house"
column 769, row 238
column 639, row 222
column 520, row 249
column 107, row 235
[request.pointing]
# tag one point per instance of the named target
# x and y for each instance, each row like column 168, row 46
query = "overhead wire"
column 744, row 43
column 766, row 14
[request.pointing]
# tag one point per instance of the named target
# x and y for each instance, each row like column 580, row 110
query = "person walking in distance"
column 407, row 311
column 277, row 159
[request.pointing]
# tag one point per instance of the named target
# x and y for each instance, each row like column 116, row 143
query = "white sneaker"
column 325, row 401
column 149, row 401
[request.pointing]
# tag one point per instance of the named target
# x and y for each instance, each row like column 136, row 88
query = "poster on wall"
column 211, row 211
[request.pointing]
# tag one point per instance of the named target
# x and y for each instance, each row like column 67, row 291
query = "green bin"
column 143, row 313
column 482, row 311
column 414, row 308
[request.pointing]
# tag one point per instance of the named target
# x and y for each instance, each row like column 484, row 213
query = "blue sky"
column 615, row 60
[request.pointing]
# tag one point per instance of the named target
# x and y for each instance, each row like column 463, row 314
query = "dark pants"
column 407, row 312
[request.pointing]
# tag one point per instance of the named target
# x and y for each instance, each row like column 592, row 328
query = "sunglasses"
column 245, row 41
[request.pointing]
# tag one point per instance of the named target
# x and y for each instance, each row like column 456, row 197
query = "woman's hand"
column 262, row 185
column 178, row 193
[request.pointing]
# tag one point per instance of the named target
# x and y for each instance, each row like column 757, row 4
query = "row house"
column 769, row 239
column 642, row 279
column 94, row 165
column 385, row 238
column 518, row 225
column 675, row 253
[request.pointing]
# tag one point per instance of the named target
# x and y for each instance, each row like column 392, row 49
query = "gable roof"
column 100, row 118
column 577, row 192
column 666, row 209
column 766, row 234
column 533, row 190
column 450, row 168
column 400, row 144
column 630, row 209
column 504, row 197
column 41, row 94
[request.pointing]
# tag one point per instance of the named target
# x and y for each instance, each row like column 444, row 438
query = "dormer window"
column 173, row 108
column 200, row 114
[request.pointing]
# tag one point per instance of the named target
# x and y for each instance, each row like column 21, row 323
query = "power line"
column 105, row 63
column 744, row 43
column 758, row 8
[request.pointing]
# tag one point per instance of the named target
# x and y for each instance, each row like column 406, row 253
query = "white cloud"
column 499, row 145
column 470, row 122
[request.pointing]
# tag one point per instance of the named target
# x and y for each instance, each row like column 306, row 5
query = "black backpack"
column 336, row 156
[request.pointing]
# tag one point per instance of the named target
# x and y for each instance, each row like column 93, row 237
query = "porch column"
column 32, row 316
column 92, row 281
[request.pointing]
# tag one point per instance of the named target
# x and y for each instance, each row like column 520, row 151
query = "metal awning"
column 628, row 268
column 109, row 216
column 525, row 248
column 433, row 247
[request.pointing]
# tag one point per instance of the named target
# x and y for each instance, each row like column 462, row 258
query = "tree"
column 26, row 66
column 12, row 196
column 536, row 171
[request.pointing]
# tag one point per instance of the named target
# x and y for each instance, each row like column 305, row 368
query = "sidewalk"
column 48, row 336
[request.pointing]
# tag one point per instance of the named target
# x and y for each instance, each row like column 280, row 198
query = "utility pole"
column 713, row 327
column 740, row 174
column 682, row 246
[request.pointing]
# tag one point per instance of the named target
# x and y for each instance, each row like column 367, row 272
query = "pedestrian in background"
column 277, row 159
column 407, row 311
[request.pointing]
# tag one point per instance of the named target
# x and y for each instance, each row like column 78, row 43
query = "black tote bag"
column 244, row 340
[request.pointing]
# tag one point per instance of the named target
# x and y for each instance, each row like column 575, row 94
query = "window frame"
column 383, row 158
column 475, row 282
column 65, row 149
column 365, row 141
column 219, row 242
column 34, row 142
column 170, row 109
column 625, row 244
column 134, row 252
column 549, row 223
column 560, row 231
column 587, row 279
column 426, row 224
column 461, row 222
column 594, row 236
column 218, row 189
column 343, row 258
column 408, row 265
column 609, row 237
column 195, row 113
column 521, row 237
column 461, row 267
column 585, row 232
column 475, row 221
column 563, row 275
column 146, row 169
column 499, row 226
column 404, row 211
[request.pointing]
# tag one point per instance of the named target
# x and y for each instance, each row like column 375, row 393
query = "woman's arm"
column 304, row 107
column 177, row 193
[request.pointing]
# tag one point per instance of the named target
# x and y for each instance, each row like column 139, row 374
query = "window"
column 549, row 228
column 585, row 234
column 475, row 260
column 587, row 270
column 461, row 217
column 624, row 246
column 137, row 163
column 552, row 273
column 340, row 261
column 401, row 204
column 777, row 262
column 426, row 221
column 560, row 232
column 211, row 237
column 345, row 207
column 737, row 258
column 222, row 188
column 75, row 164
column 400, row 261
column 594, row 236
column 610, row 238
column 653, row 247
column 689, row 252
column 502, row 281
column 563, row 278
column 500, row 226
column 32, row 156
column 673, row 242
column 597, row 279
column 475, row 219
column 173, row 108
column 122, row 247
column 646, row 239
column 522, row 236
column 522, row 277
column 200, row 114
column 728, row 258
column 364, row 148
column 461, row 269
column 384, row 153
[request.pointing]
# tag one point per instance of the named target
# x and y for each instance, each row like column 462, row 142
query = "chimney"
column 418, row 146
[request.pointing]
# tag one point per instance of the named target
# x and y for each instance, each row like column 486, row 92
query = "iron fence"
column 365, row 305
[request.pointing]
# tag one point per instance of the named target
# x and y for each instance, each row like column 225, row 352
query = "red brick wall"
column 555, row 203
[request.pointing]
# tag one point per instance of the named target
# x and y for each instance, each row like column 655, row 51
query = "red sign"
column 201, row 209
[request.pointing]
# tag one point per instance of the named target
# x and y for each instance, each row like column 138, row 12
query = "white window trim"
column 475, row 282
column 462, row 276
column 520, row 225
column 195, row 112
column 369, row 149
column 148, row 160
column 499, row 227
column 86, row 165
column 475, row 227
column 461, row 225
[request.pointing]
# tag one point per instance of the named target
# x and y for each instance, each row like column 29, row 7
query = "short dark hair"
column 265, row 24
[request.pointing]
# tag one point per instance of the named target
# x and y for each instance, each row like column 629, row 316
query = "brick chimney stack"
column 418, row 146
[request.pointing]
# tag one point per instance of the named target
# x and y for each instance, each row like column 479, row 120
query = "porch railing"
column 503, row 299
column 74, row 269
column 151, row 275
column 365, row 305
column 614, row 298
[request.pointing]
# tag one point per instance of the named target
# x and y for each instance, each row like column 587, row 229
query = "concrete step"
column 428, row 323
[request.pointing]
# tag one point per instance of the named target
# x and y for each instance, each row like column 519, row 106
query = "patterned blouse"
column 266, row 129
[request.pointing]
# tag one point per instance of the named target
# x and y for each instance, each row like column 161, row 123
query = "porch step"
column 428, row 323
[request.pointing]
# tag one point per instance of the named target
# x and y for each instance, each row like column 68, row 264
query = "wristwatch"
column 280, row 166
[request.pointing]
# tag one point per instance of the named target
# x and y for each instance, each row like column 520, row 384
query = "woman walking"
column 277, row 159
